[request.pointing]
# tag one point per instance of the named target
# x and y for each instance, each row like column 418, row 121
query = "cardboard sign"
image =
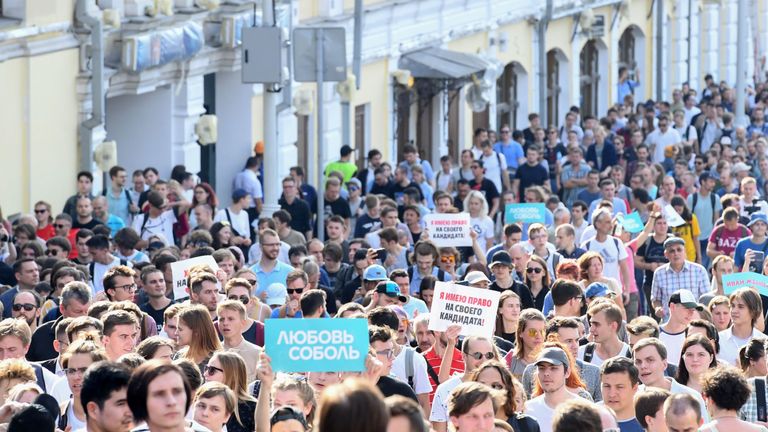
column 632, row 223
column 180, row 271
column 472, row 308
column 317, row 344
column 734, row 281
column 671, row 216
column 449, row 229
column 525, row 212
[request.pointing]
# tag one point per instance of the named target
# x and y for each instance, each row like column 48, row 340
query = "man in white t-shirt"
column 610, row 248
column 494, row 164
column 662, row 137
column 552, row 371
column 103, row 260
column 604, row 322
column 158, row 221
column 237, row 217
column 672, row 334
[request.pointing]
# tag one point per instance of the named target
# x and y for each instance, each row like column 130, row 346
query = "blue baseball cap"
column 390, row 289
column 757, row 217
column 375, row 272
column 598, row 289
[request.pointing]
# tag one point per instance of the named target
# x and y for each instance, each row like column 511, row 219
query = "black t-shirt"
column 458, row 203
column 398, row 190
column 364, row 224
column 387, row 189
column 156, row 315
column 487, row 188
column 390, row 386
column 652, row 252
column 339, row 207
column 531, row 176
column 90, row 225
column 300, row 215
column 522, row 291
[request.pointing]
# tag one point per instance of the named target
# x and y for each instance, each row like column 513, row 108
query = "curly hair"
column 726, row 387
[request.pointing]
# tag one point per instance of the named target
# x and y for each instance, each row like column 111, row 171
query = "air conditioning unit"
column 105, row 155
column 592, row 26
column 138, row 8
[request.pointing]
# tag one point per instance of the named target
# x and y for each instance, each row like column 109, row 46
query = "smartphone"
column 756, row 265
column 381, row 254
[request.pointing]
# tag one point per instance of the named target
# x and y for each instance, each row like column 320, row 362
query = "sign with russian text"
column 180, row 272
column 474, row 309
column 734, row 281
column 449, row 229
column 632, row 222
column 671, row 216
column 317, row 344
column 525, row 212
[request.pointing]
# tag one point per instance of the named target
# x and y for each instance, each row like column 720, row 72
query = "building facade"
column 167, row 62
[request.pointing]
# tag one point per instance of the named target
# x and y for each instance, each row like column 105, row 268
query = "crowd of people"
column 600, row 327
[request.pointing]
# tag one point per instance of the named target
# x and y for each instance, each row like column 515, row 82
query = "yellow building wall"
column 637, row 15
column 559, row 36
column 39, row 120
column 42, row 12
column 374, row 90
column 520, row 50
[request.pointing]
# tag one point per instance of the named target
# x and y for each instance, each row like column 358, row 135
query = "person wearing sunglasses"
column 537, row 280
column 26, row 306
column 531, row 329
column 475, row 350
column 382, row 340
column 229, row 368
column 296, row 283
column 58, row 247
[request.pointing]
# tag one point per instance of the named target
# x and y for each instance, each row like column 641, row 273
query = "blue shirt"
column 114, row 223
column 741, row 248
column 118, row 206
column 626, row 88
column 631, row 425
column 416, row 279
column 276, row 314
column 278, row 274
column 512, row 152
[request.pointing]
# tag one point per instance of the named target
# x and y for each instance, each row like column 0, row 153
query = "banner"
column 525, row 212
column 671, row 216
column 632, row 223
column 180, row 272
column 734, row 281
column 317, row 344
column 472, row 308
column 449, row 229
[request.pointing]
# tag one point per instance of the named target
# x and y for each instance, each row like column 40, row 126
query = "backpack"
column 711, row 199
column 762, row 415
column 409, row 366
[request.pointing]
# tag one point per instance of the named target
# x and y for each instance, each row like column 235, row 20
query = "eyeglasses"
column 353, row 188
column 534, row 332
column 244, row 299
column 296, row 290
column 127, row 287
column 75, row 371
column 479, row 356
column 50, row 252
column 60, row 226
column 210, row 370
column 445, row 259
column 26, row 306
column 41, row 211
column 388, row 353
column 536, row 270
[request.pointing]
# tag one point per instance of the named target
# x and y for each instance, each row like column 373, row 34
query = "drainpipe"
column 96, row 53
column 659, row 49
column 542, row 36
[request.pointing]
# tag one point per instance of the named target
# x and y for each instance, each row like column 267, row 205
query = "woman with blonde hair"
column 229, row 369
column 14, row 372
column 531, row 329
column 214, row 405
column 477, row 207
column 197, row 336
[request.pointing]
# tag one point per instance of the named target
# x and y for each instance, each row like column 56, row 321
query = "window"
column 627, row 52
column 553, row 89
column 507, row 103
column 589, row 79
column 362, row 134
column 302, row 141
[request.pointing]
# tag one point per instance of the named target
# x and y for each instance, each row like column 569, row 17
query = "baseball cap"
column 554, row 356
column 476, row 276
column 375, row 272
column 757, row 217
column 501, row 257
column 354, row 181
column 740, row 166
column 345, row 150
column 685, row 297
column 673, row 241
column 390, row 289
column 276, row 294
column 239, row 194
column 598, row 289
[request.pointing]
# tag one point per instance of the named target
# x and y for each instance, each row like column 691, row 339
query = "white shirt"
column 61, row 391
column 674, row 343
column 690, row 113
column 239, row 221
column 662, row 140
column 493, row 170
column 420, row 378
column 161, row 226
column 99, row 270
column 597, row 360
column 611, row 254
column 677, row 388
column 248, row 181
column 414, row 305
column 484, row 229
column 730, row 345
column 440, row 402
column 538, row 409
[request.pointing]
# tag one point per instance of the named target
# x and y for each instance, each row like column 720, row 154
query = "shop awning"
column 441, row 64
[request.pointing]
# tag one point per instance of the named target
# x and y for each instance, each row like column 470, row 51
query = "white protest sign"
column 474, row 309
column 180, row 271
column 671, row 216
column 449, row 229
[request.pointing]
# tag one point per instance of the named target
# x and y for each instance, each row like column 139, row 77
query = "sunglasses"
column 40, row 211
column 447, row 259
column 50, row 252
column 295, row 290
column 480, row 356
column 534, row 332
column 60, row 226
column 210, row 370
column 536, row 270
column 244, row 299
column 26, row 306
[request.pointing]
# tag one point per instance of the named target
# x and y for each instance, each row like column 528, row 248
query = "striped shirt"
column 666, row 281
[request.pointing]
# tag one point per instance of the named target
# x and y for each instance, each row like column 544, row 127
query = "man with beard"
column 26, row 306
column 103, row 395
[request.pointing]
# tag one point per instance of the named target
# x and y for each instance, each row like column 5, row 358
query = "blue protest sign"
column 632, row 223
column 316, row 345
column 525, row 212
column 734, row 281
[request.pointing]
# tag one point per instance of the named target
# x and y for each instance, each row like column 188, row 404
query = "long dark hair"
column 678, row 201
column 682, row 371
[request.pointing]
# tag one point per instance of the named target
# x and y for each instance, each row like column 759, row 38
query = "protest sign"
column 180, row 272
column 472, row 308
column 734, row 281
column 671, row 216
column 632, row 223
column 525, row 212
column 449, row 229
column 316, row 344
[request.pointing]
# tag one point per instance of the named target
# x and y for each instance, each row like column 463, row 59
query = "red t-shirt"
column 725, row 239
column 47, row 232
column 433, row 360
